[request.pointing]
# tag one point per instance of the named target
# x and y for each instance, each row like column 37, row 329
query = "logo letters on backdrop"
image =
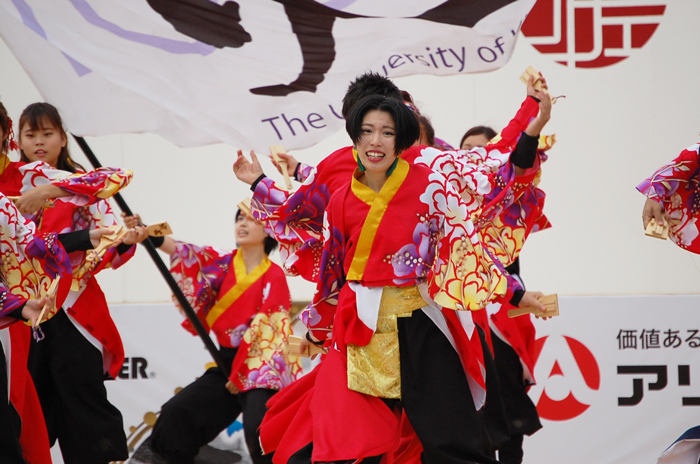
column 592, row 34
column 567, row 378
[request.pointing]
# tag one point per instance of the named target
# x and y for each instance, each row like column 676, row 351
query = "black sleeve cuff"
column 514, row 267
column 296, row 172
column 17, row 313
column 156, row 241
column 257, row 181
column 517, row 296
column 317, row 343
column 123, row 248
column 535, row 98
column 525, row 151
column 76, row 241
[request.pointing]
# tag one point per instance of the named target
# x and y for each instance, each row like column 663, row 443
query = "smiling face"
column 249, row 232
column 43, row 143
column 473, row 141
column 376, row 145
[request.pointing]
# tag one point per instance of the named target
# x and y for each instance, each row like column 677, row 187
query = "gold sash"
column 243, row 282
column 375, row 369
column 378, row 204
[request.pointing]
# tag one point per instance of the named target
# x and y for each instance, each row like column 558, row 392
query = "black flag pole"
column 194, row 320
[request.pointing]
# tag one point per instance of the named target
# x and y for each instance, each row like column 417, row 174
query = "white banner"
column 618, row 377
column 250, row 72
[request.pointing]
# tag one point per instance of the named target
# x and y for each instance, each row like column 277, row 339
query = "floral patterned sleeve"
column 318, row 317
column 507, row 190
column 8, row 301
column 677, row 187
column 679, row 174
column 28, row 263
column 199, row 272
column 269, row 205
column 470, row 173
column 87, row 187
column 295, row 220
column 464, row 275
column 304, row 172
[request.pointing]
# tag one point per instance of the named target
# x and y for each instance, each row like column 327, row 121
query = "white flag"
column 249, row 73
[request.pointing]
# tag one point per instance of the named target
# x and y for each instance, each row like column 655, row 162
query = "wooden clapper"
column 51, row 295
column 551, row 303
column 91, row 258
column 245, row 208
column 530, row 71
column 159, row 230
column 295, row 348
column 274, row 151
column 655, row 230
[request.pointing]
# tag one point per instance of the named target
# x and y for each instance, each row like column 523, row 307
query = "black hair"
column 37, row 115
column 478, row 130
column 427, row 129
column 406, row 125
column 365, row 85
column 5, row 128
column 270, row 243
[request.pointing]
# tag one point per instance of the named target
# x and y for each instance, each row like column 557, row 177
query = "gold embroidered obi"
column 375, row 369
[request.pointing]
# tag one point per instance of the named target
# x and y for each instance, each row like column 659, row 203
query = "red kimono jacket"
column 296, row 220
column 676, row 187
column 86, row 209
column 247, row 311
column 415, row 230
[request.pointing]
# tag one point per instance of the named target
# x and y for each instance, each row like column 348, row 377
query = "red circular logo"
column 567, row 374
column 591, row 34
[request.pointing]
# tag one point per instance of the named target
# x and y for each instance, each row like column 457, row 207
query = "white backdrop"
column 578, row 387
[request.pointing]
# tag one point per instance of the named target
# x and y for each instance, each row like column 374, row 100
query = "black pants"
column 68, row 374
column 520, row 410
column 493, row 414
column 204, row 408
column 436, row 397
column 10, row 422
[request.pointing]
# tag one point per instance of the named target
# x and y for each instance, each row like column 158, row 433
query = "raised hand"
column 247, row 171
column 291, row 164
column 32, row 201
column 131, row 221
column 531, row 92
